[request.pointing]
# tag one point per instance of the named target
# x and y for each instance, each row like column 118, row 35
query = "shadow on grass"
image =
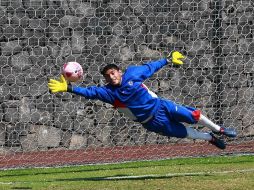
column 119, row 167
column 141, row 177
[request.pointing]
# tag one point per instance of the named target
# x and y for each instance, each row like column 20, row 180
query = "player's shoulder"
column 133, row 68
column 130, row 67
column 131, row 71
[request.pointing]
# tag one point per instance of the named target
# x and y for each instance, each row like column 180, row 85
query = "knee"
column 196, row 115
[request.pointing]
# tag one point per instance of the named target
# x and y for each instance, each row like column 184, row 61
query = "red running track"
column 117, row 154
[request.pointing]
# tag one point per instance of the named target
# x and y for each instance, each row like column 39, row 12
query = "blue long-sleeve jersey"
column 132, row 97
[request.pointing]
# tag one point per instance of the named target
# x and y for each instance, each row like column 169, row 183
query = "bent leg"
column 203, row 120
column 180, row 113
column 176, row 129
column 194, row 134
column 229, row 132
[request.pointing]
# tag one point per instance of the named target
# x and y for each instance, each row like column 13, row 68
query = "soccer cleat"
column 229, row 132
column 217, row 142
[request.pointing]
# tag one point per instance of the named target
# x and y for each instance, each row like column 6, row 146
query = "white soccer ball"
column 72, row 71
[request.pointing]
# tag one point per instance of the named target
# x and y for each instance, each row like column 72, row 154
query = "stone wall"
column 37, row 37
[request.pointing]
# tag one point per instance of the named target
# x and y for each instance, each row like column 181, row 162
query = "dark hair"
column 107, row 67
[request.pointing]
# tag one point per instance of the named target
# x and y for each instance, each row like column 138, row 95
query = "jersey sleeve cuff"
column 69, row 88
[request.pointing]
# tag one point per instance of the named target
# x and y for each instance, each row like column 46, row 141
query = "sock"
column 203, row 120
column 194, row 134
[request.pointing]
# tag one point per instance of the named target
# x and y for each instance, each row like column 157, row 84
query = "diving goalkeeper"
column 127, row 93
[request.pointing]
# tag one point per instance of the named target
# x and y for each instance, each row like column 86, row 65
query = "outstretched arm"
column 92, row 92
column 148, row 69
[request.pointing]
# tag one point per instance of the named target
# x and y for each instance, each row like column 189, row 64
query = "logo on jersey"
column 130, row 83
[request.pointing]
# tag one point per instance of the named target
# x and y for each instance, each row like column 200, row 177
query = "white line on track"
column 155, row 175
column 177, row 174
column 6, row 183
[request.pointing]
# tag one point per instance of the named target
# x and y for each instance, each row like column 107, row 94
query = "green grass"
column 222, row 172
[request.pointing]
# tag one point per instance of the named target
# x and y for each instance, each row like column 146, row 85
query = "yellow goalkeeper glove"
column 58, row 85
column 176, row 58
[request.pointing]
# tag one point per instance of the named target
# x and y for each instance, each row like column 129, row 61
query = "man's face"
column 113, row 77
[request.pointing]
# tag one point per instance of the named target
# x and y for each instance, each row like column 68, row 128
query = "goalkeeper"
column 127, row 93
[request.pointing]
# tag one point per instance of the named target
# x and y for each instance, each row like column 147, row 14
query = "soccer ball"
column 72, row 71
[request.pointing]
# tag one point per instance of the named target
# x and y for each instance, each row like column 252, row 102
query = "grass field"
column 221, row 172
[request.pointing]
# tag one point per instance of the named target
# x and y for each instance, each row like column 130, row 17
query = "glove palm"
column 58, row 85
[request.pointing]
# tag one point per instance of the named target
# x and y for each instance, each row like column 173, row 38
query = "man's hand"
column 176, row 58
column 58, row 85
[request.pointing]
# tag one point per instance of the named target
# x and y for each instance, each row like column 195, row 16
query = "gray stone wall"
column 37, row 37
